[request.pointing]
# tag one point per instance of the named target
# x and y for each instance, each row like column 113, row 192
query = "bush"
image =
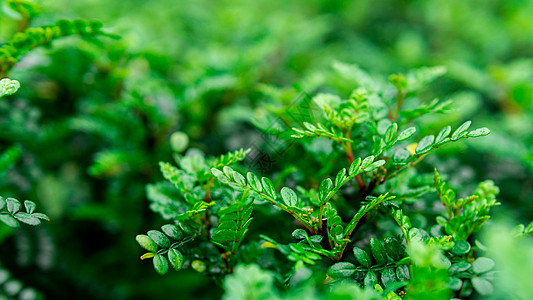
column 279, row 159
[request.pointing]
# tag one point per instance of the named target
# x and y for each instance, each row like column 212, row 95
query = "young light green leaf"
column 160, row 264
column 289, row 196
column 482, row 286
column 8, row 87
column 461, row 131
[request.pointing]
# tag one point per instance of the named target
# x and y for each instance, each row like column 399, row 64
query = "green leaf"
column 176, row 259
column 375, row 165
column 299, row 234
column 388, row 276
column 179, row 141
column 172, row 231
column 407, row 133
column 9, row 221
column 355, row 167
column 254, row 182
column 159, row 238
column 160, row 264
column 41, row 216
column 30, row 206
column 3, row 203
column 224, row 235
column 325, row 187
column 482, row 286
column 362, row 257
column 391, row 133
column 13, row 205
column 367, row 161
column 394, row 248
column 27, row 218
column 482, row 265
column 8, row 87
column 401, row 156
column 146, row 242
column 454, row 284
column 402, row 273
column 340, row 177
column 443, row 134
column 341, row 270
column 479, row 132
column 461, row 248
column 289, row 196
column 378, row 251
column 268, row 187
column 370, row 279
column 461, row 131
column 425, row 144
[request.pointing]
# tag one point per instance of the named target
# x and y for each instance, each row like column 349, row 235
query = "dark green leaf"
column 378, row 251
column 461, row 248
column 325, row 187
column 172, row 231
column 370, row 279
column 289, row 196
column 454, row 284
column 159, row 238
column 388, row 277
column 224, row 236
column 362, row 257
column 394, row 248
column 160, row 264
column 401, row 156
column 299, row 234
column 176, row 259
column 402, row 273
column 341, row 270
column 268, row 187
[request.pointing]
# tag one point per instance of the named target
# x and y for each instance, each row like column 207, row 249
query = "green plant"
column 353, row 210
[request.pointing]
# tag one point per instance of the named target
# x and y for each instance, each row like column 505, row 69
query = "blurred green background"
column 93, row 117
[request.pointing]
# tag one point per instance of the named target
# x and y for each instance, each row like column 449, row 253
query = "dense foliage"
column 264, row 150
